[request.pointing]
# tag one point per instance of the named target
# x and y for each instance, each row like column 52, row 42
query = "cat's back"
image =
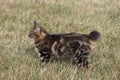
column 69, row 37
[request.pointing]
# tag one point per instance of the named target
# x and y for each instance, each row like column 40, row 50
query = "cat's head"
column 37, row 32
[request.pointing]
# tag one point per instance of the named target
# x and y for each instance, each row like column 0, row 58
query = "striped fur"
column 57, row 45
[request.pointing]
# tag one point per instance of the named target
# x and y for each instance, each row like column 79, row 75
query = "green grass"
column 18, row 60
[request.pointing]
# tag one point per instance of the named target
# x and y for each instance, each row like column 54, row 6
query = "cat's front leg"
column 44, row 54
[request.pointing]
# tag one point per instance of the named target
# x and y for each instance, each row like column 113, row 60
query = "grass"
column 17, row 56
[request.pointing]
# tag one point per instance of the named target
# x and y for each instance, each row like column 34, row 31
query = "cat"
column 57, row 45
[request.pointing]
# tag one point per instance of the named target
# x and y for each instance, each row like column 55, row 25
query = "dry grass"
column 17, row 56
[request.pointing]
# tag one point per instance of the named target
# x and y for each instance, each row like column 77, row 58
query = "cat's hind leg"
column 82, row 55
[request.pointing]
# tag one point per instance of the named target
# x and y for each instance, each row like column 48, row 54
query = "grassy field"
column 18, row 60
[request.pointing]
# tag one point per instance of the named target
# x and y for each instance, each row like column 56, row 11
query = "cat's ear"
column 36, row 26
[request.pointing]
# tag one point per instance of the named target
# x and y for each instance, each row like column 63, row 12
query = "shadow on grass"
column 66, row 59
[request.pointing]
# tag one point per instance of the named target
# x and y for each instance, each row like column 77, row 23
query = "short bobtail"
column 94, row 35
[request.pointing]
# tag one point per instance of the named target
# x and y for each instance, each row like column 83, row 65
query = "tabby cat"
column 57, row 45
